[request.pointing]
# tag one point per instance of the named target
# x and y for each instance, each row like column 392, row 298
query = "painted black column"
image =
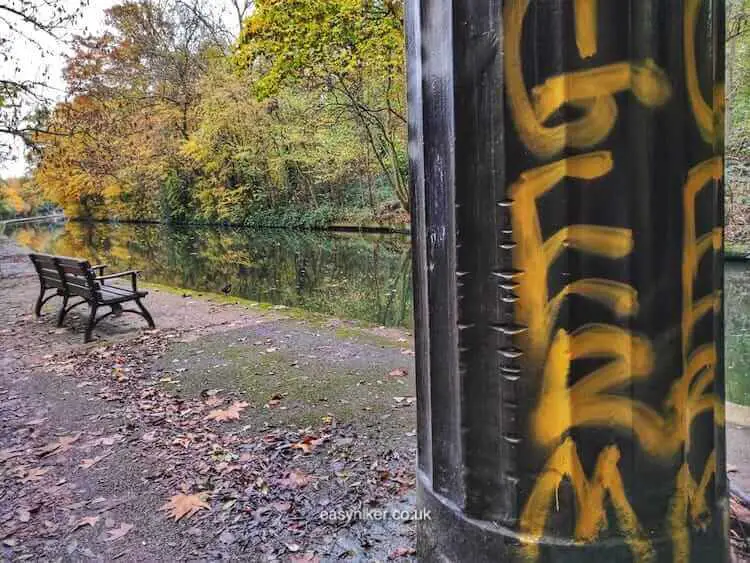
column 567, row 178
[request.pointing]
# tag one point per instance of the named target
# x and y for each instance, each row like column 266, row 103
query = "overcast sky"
column 34, row 63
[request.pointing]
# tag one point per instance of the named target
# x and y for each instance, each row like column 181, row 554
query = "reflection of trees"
column 351, row 276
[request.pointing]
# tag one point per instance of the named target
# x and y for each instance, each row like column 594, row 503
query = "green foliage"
column 351, row 53
column 738, row 122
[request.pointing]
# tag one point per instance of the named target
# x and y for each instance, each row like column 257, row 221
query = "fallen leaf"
column 23, row 515
column 296, row 479
column 59, row 446
column 35, row 474
column 184, row 506
column 402, row 552
column 118, row 533
column 86, row 521
column 88, row 463
column 308, row 444
column 231, row 413
column 398, row 372
column 293, row 547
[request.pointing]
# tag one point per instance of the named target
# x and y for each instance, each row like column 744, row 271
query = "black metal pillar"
column 567, row 169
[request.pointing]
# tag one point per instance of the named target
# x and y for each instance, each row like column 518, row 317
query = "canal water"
column 363, row 277
column 355, row 276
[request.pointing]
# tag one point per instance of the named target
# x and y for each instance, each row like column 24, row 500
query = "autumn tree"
column 349, row 50
column 135, row 89
column 155, row 52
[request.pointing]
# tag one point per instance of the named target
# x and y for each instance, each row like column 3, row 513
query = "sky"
column 33, row 65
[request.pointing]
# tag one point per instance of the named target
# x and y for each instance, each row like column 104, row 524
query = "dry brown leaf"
column 62, row 444
column 296, row 479
column 231, row 413
column 88, row 463
column 399, row 372
column 402, row 552
column 274, row 401
column 35, row 474
column 184, row 506
column 118, row 533
column 308, row 444
column 86, row 521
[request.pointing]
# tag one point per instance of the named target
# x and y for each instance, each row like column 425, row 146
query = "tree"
column 114, row 149
column 37, row 25
column 156, row 52
column 352, row 52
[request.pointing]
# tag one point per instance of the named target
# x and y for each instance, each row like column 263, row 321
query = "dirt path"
column 254, row 424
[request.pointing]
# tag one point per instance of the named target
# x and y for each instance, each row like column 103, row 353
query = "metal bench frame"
column 72, row 277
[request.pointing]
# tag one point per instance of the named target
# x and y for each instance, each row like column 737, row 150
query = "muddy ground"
column 230, row 432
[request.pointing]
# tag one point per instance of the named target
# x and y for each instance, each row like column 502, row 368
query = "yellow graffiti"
column 586, row 13
column 710, row 120
column 588, row 402
column 647, row 81
column 534, row 255
column 696, row 248
column 601, row 398
column 689, row 504
column 590, row 90
column 700, row 365
column 564, row 463
column 562, row 407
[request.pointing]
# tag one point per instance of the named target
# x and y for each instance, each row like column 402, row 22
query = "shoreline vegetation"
column 374, row 228
column 734, row 252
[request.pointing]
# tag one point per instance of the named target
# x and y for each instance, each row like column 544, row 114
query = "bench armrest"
column 132, row 273
column 100, row 267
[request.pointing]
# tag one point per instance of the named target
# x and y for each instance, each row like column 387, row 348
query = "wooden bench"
column 72, row 278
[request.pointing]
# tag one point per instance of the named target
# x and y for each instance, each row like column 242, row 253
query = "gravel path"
column 229, row 433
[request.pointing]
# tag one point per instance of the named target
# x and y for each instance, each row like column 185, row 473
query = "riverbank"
column 401, row 227
column 254, row 424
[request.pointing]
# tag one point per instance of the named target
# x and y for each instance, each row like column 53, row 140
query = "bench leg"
column 146, row 314
column 39, row 302
column 63, row 311
column 91, row 324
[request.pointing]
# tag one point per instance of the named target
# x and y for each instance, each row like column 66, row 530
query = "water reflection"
column 738, row 333
column 366, row 277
